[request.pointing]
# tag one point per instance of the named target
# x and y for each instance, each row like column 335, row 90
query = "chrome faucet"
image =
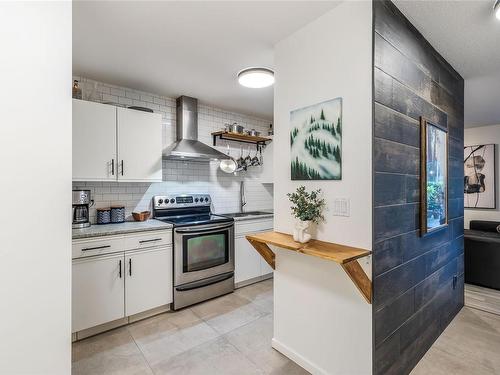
column 243, row 201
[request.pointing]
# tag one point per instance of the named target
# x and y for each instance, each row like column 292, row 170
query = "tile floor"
column 470, row 345
column 232, row 335
column 227, row 335
column 482, row 298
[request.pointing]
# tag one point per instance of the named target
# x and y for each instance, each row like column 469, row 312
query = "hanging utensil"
column 228, row 165
column 255, row 159
column 248, row 159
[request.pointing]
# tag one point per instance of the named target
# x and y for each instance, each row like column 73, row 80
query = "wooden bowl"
column 141, row 216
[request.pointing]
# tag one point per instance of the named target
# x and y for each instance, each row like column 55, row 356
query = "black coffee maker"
column 81, row 205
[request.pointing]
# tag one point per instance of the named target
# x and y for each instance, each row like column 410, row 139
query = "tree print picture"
column 316, row 141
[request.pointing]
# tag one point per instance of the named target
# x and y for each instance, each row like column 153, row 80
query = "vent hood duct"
column 187, row 146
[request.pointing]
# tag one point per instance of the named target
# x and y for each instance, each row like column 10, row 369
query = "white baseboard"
column 297, row 358
column 257, row 279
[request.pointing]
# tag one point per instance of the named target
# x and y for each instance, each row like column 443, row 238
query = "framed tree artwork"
column 433, row 177
column 316, row 141
column 480, row 176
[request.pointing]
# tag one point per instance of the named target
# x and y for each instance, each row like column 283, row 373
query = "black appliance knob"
column 172, row 200
column 196, row 200
column 160, row 201
column 206, row 199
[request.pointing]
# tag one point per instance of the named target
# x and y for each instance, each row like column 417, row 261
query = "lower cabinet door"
column 98, row 291
column 149, row 279
column 247, row 260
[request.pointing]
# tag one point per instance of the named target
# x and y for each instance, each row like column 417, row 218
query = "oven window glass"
column 205, row 251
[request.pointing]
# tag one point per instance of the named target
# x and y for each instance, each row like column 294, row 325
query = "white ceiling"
column 467, row 34
column 186, row 48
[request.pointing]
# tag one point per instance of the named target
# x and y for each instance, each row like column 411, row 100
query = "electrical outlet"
column 341, row 207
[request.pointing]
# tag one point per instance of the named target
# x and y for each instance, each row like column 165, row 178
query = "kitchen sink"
column 249, row 213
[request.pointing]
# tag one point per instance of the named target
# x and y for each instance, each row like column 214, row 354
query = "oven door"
column 202, row 251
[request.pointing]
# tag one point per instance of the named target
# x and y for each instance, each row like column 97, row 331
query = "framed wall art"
column 316, row 141
column 480, row 176
column 433, row 177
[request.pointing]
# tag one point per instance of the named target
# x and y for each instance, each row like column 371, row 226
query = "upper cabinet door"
column 139, row 146
column 94, row 141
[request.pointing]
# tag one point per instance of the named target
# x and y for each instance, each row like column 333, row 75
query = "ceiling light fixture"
column 256, row 78
column 496, row 9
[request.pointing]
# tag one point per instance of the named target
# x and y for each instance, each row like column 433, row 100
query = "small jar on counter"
column 103, row 215
column 117, row 214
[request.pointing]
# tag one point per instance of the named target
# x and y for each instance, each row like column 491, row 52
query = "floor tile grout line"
column 140, row 350
column 243, row 354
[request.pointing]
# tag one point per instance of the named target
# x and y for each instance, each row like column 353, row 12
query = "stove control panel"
column 179, row 201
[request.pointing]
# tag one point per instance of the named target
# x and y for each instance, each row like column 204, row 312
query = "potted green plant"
column 307, row 208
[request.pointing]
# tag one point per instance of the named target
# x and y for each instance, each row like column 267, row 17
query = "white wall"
column 35, row 169
column 180, row 177
column 484, row 135
column 330, row 57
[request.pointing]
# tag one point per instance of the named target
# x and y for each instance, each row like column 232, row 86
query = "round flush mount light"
column 496, row 9
column 256, row 78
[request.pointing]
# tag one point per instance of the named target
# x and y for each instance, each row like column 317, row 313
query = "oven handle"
column 203, row 283
column 201, row 230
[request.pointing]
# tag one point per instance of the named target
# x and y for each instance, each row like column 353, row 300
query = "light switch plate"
column 341, row 207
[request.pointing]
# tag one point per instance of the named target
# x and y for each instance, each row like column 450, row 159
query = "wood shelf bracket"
column 359, row 278
column 344, row 255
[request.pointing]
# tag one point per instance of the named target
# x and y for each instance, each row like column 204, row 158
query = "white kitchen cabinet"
column 97, row 291
column 119, row 276
column 139, row 145
column 267, row 174
column 148, row 280
column 115, row 144
column 94, row 141
column 247, row 263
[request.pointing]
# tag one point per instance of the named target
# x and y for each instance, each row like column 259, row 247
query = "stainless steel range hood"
column 187, row 146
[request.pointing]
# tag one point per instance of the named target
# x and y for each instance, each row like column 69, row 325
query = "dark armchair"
column 482, row 254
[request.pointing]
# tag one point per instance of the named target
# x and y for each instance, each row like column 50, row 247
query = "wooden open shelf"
column 346, row 256
column 239, row 138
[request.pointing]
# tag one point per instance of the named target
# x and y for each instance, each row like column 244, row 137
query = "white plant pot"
column 300, row 231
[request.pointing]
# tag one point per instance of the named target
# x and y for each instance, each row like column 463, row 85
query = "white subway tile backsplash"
column 109, row 98
column 118, row 92
column 179, row 177
column 123, row 100
column 147, row 98
column 132, row 95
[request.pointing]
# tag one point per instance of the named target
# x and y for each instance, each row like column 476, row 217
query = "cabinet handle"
column 96, row 248
column 153, row 240
column 120, row 269
column 112, row 167
column 122, row 167
column 130, row 266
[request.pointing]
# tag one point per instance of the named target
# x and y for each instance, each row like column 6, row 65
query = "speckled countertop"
column 113, row 229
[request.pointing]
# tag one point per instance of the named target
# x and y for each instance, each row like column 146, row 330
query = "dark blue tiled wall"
column 415, row 296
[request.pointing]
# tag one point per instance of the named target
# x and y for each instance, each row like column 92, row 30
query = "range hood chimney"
column 187, row 146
